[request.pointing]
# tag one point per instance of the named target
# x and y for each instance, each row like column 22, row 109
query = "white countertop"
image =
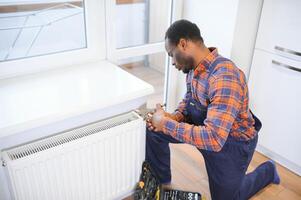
column 39, row 99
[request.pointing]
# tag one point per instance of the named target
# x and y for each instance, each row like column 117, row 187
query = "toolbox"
column 149, row 188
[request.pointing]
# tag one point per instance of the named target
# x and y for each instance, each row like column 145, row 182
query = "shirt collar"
column 207, row 61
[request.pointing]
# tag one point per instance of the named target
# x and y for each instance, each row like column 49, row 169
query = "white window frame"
column 172, row 74
column 95, row 49
column 114, row 54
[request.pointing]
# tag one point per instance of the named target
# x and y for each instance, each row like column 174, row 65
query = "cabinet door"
column 280, row 28
column 275, row 93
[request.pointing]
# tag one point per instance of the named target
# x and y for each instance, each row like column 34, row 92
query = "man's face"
column 181, row 59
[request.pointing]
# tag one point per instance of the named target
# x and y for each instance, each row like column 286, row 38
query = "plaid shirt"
column 227, row 101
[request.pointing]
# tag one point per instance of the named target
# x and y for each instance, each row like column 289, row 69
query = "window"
column 136, row 27
column 135, row 41
column 38, row 27
column 141, row 22
column 61, row 33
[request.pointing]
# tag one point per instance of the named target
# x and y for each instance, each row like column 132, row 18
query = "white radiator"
column 98, row 161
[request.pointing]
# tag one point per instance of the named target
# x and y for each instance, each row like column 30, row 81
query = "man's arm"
column 226, row 96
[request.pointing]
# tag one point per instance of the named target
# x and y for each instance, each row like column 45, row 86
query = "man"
column 214, row 116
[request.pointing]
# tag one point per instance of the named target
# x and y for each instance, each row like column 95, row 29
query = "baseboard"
column 280, row 159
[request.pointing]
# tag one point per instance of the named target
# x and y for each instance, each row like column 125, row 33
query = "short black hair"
column 183, row 29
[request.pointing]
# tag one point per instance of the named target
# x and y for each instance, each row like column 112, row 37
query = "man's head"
column 182, row 42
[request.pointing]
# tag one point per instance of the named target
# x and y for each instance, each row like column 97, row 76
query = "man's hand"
column 149, row 121
column 156, row 120
column 149, row 116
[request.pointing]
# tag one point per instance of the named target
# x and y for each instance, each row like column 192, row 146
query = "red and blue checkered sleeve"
column 226, row 98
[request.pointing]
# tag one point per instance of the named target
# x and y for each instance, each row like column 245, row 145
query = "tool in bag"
column 149, row 188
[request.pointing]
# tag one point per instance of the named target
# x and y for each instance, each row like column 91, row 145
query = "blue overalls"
column 226, row 169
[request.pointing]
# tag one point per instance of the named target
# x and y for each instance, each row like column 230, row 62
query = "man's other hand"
column 149, row 121
column 157, row 118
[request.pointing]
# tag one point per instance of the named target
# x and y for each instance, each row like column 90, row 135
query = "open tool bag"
column 149, row 188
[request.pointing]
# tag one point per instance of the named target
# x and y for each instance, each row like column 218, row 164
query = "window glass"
column 39, row 27
column 140, row 22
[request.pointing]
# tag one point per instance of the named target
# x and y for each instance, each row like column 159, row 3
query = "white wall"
column 216, row 20
column 247, row 21
column 229, row 25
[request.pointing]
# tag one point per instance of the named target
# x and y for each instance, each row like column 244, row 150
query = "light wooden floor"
column 187, row 164
column 189, row 173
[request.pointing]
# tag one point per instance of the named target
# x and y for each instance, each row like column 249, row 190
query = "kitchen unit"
column 275, row 80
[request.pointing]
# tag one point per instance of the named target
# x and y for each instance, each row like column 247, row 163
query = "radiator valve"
column 3, row 163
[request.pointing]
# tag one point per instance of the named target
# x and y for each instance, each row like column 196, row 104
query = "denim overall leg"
column 158, row 154
column 157, row 146
column 226, row 169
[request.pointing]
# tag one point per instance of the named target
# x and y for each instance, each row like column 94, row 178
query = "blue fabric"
column 276, row 179
column 158, row 154
column 226, row 169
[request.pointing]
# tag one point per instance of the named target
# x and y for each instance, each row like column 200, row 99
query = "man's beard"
column 186, row 70
column 184, row 62
column 187, row 65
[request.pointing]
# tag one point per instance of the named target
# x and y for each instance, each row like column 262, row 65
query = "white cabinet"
column 275, row 82
column 280, row 28
column 275, row 95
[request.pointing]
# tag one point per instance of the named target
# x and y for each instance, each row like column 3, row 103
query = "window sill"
column 37, row 100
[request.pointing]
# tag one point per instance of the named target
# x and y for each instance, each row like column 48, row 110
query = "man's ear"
column 183, row 43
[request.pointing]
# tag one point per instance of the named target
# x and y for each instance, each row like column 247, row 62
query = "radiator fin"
column 101, row 161
column 74, row 134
